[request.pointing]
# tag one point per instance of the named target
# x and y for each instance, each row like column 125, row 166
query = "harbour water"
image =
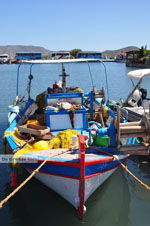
column 120, row 201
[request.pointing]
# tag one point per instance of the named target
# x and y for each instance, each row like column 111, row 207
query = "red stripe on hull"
column 104, row 171
column 61, row 163
column 71, row 177
column 98, row 161
column 74, row 164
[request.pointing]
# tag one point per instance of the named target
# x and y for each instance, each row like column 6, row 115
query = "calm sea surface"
column 120, row 201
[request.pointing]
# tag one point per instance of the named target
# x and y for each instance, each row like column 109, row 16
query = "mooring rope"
column 136, row 178
column 28, row 178
column 54, row 155
column 124, row 167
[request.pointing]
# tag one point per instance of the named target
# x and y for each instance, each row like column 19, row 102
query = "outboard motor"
column 144, row 93
column 135, row 98
column 143, row 97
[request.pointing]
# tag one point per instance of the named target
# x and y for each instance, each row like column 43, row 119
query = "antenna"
column 18, row 80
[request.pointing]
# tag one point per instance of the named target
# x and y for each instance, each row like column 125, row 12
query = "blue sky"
column 67, row 24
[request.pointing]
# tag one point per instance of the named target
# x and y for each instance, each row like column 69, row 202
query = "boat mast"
column 30, row 77
column 63, row 75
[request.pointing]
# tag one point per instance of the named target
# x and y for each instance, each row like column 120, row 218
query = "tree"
column 142, row 55
column 74, row 52
column 45, row 57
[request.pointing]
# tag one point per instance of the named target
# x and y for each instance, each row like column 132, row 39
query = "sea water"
column 120, row 201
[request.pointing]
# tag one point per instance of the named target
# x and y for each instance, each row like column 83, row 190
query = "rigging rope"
column 90, row 74
column 106, row 79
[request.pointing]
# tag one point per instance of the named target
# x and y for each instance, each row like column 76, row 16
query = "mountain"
column 11, row 50
column 113, row 53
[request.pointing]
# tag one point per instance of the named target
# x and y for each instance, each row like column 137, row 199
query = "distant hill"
column 113, row 53
column 11, row 50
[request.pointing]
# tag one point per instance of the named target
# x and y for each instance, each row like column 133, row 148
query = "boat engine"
column 135, row 98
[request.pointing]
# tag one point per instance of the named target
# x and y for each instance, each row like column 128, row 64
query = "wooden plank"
column 144, row 153
column 132, row 129
column 31, row 129
column 133, row 147
column 130, row 124
column 133, row 135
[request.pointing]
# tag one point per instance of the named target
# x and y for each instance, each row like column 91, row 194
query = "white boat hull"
column 68, row 188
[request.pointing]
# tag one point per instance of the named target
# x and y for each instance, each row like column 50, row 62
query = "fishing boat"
column 137, row 103
column 77, row 151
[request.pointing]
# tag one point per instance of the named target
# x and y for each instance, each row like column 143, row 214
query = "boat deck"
column 72, row 155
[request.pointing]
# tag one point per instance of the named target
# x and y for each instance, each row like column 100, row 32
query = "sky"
column 95, row 25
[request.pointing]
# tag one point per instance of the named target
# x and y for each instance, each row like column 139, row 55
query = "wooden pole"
column 133, row 147
column 118, row 127
column 127, row 135
column 130, row 124
column 132, row 129
column 101, row 119
column 81, row 207
column 143, row 153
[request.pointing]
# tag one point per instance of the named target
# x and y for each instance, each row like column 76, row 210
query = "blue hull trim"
column 74, row 171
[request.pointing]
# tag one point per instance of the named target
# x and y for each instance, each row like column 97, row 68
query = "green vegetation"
column 45, row 57
column 74, row 52
column 143, row 54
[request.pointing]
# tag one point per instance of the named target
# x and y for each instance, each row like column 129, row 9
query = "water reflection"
column 38, row 205
column 141, row 168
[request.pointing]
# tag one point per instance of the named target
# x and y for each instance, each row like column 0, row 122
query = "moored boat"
column 77, row 154
column 137, row 103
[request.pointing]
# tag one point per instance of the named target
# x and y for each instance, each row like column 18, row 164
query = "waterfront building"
column 121, row 57
column 28, row 56
column 60, row 55
column 89, row 54
column 132, row 59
